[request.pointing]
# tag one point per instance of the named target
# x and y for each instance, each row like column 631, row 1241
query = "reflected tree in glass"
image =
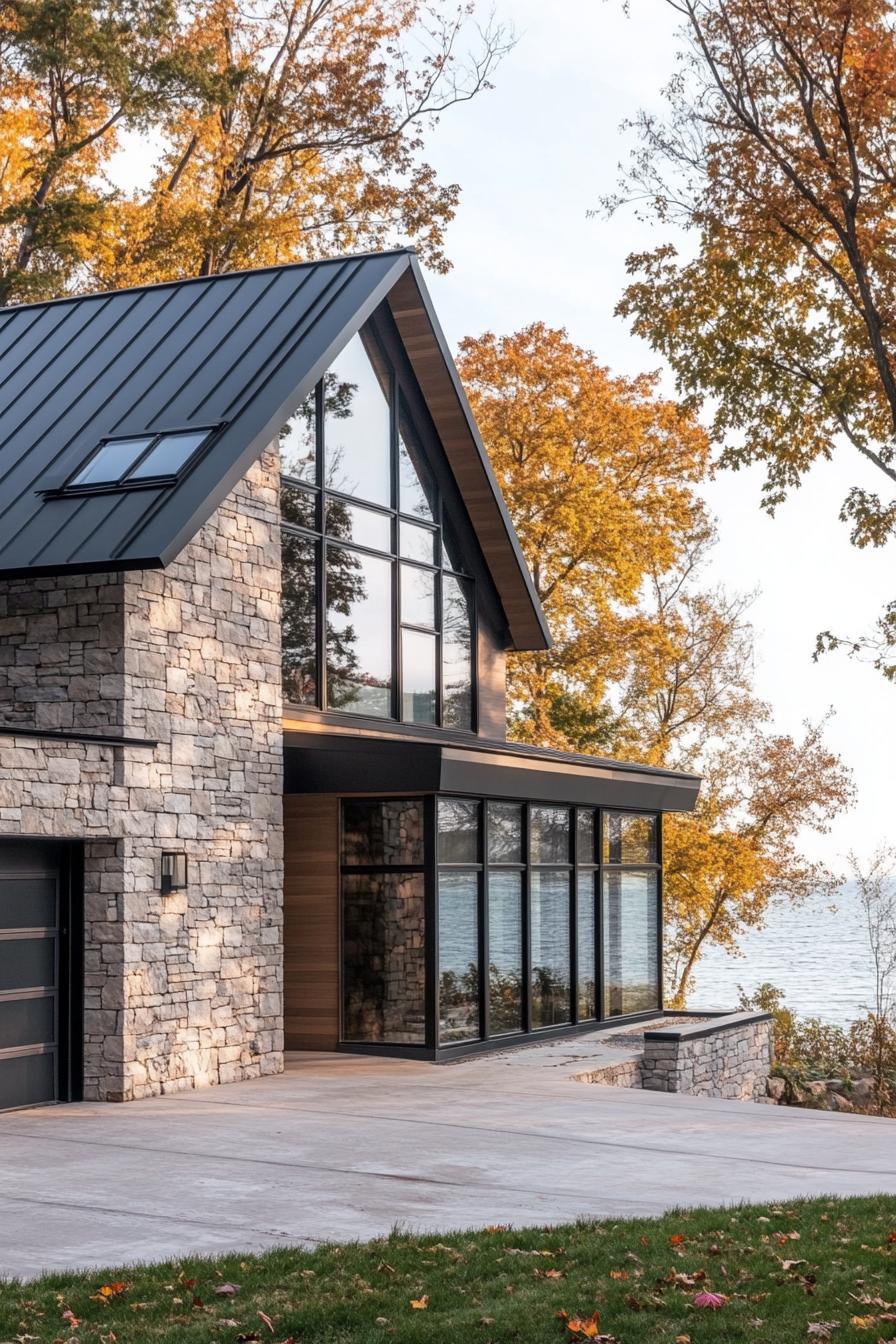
column 299, row 607
column 458, row 957
column 505, row 952
column 457, row 653
column 549, row 934
column 359, row 639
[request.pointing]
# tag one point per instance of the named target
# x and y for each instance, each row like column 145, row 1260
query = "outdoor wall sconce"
column 174, row 872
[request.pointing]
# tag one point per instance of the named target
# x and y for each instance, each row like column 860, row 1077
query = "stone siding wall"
column 186, row 989
column 730, row 1057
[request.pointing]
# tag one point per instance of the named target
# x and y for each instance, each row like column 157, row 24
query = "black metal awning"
column 349, row 763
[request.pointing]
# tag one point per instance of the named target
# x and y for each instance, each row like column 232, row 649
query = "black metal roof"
column 239, row 351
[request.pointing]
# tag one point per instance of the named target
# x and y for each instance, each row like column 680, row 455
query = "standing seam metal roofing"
column 238, row 352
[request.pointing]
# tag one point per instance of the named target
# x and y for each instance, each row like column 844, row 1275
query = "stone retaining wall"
column 730, row 1056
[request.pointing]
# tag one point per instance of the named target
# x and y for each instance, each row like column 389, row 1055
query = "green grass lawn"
column 800, row 1270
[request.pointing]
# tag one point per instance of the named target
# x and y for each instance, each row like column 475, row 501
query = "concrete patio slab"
column 342, row 1147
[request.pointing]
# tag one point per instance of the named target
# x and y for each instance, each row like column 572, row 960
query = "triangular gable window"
column 378, row 616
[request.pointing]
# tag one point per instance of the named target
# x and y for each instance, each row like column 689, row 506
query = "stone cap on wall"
column 696, row 1030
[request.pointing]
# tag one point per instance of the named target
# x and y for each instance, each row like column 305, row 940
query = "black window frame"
column 431, row 867
column 401, row 398
column 127, row 481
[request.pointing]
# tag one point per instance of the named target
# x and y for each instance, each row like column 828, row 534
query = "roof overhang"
column 341, row 763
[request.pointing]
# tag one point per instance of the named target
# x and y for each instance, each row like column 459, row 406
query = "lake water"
column 817, row 953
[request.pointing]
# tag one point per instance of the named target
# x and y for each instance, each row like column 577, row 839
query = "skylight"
column 137, row 460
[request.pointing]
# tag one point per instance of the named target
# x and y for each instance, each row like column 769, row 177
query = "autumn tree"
column 777, row 156
column 270, row 134
column 73, row 77
column 598, row 472
column 651, row 662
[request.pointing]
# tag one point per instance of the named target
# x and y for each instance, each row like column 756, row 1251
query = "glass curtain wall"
column 544, row 917
column 378, row 609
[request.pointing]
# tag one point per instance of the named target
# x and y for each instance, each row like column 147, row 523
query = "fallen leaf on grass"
column 822, row 1329
column 713, row 1301
column 420, row 1303
column 386, row 1269
column 267, row 1320
column 677, row 1239
column 619, row 1274
column 891, row 1238
column 72, row 1319
column 584, row 1327
column 682, row 1339
column 789, row 1264
column 227, row 1289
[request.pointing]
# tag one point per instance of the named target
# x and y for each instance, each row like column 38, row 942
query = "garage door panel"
column 27, row 1022
column 27, row 1080
column 40, row 974
column 27, row 963
column 27, row 902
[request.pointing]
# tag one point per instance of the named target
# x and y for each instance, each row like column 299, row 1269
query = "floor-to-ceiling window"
column 631, row 913
column 538, row 906
column 378, row 610
column 383, row 922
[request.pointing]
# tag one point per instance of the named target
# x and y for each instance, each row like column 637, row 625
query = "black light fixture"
column 174, row 872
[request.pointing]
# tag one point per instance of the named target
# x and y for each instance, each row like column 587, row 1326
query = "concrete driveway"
column 343, row 1147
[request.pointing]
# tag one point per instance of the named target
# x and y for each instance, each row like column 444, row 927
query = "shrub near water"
column 807, row 1049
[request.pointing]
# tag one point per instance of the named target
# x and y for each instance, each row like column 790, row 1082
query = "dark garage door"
column 35, row 973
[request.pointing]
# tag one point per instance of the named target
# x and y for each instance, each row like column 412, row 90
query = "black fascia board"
column 336, row 762
column 488, row 471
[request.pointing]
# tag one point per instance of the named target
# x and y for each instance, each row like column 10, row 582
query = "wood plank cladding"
column 311, row 922
column 472, row 475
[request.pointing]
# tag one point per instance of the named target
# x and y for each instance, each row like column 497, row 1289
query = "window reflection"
column 505, row 952
column 505, row 833
column 416, row 492
column 418, row 677
column 356, row 426
column 298, row 442
column 299, row 616
column 343, row 458
column 416, row 543
column 585, row 947
column 549, row 934
column 457, row 654
column 359, row 639
column 458, row 957
column 383, row 959
column 630, row 932
column 458, row 831
column 418, row 596
column 549, row 834
column 365, row 527
column 629, row 837
column 382, row 831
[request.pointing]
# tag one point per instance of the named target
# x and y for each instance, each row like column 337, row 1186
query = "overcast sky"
column 533, row 157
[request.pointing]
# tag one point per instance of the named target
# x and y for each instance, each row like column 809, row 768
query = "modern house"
column 257, row 585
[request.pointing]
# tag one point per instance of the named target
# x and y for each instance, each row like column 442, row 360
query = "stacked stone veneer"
column 185, row 989
column 730, row 1056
